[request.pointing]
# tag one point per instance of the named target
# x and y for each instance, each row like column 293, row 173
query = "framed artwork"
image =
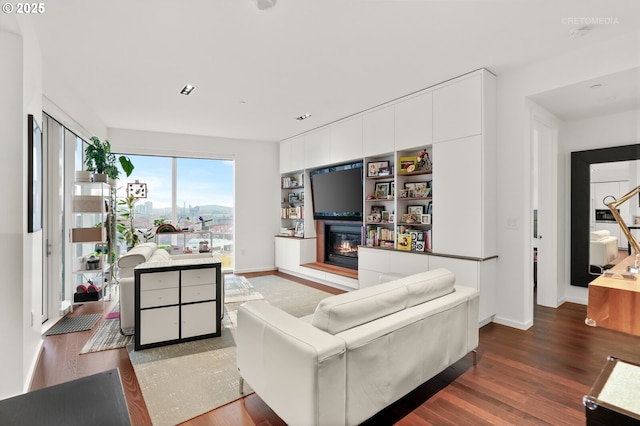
column 293, row 197
column 392, row 191
column 425, row 219
column 34, row 175
column 415, row 210
column 392, row 218
column 137, row 189
column 373, row 167
column 416, row 189
column 385, row 215
column 382, row 189
column 299, row 229
column 407, row 164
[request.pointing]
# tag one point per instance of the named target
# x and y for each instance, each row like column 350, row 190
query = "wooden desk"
column 93, row 400
column 615, row 303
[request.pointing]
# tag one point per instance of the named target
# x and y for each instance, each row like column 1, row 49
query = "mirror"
column 608, row 245
column 581, row 165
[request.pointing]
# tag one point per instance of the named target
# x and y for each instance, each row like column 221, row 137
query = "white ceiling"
column 603, row 95
column 256, row 71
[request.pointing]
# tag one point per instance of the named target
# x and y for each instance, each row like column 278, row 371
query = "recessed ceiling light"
column 303, row 117
column 186, row 90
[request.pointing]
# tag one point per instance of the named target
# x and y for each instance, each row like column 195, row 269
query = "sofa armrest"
column 297, row 369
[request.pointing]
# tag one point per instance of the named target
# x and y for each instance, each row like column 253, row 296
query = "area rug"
column 74, row 324
column 107, row 336
column 183, row 381
column 239, row 289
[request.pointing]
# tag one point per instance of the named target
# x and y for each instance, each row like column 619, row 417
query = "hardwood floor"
column 533, row 377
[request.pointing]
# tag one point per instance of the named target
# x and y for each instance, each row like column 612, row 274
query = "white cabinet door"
column 285, row 156
column 377, row 132
column 457, row 197
column 346, row 140
column 317, row 150
column 457, row 109
column 158, row 325
column 409, row 263
column 297, row 154
column 198, row 319
column 414, row 122
column 281, row 253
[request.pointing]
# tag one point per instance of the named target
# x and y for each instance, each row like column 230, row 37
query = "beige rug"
column 183, row 381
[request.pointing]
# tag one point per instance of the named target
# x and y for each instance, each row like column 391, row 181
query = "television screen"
column 337, row 192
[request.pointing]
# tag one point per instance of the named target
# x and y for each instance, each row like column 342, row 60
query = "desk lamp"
column 613, row 206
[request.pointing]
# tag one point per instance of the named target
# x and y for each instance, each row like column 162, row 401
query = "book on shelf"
column 292, row 212
column 379, row 236
column 417, row 240
column 404, row 242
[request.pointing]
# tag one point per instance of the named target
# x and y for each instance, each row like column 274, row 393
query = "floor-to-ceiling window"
column 190, row 193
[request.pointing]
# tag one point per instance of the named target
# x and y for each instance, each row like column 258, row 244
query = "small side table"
column 613, row 399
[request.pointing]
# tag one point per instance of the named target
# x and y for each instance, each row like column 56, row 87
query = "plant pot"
column 100, row 177
column 82, row 176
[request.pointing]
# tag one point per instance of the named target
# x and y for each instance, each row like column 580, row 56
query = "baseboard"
column 250, row 270
column 32, row 368
column 513, row 324
column 65, row 307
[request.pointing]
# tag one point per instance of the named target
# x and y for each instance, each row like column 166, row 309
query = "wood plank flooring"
column 533, row 377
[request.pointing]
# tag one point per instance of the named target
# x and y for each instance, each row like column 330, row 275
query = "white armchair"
column 603, row 248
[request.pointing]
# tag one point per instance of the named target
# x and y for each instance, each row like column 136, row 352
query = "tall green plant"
column 125, row 225
column 98, row 158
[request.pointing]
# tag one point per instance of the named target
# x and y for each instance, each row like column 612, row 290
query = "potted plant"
column 102, row 162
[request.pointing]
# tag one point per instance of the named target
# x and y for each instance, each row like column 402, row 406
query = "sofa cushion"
column 427, row 286
column 159, row 256
column 137, row 255
column 599, row 235
column 344, row 311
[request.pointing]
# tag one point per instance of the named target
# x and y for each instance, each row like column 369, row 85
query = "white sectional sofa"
column 360, row 351
column 603, row 248
column 145, row 252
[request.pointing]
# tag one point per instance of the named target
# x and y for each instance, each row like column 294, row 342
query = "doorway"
column 544, row 214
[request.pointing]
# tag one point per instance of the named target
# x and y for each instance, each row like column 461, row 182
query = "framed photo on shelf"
column 385, row 215
column 384, row 171
column 377, row 209
column 392, row 218
column 416, row 189
column 407, row 164
column 293, row 197
column 415, row 210
column 425, row 219
column 299, row 229
column 382, row 189
column 373, row 167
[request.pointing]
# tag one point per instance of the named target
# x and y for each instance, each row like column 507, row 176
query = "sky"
column 200, row 181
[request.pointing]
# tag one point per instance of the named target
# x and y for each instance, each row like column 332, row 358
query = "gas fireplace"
column 341, row 245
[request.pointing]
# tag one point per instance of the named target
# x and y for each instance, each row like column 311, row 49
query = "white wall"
column 257, row 184
column 579, row 135
column 21, row 88
column 515, row 296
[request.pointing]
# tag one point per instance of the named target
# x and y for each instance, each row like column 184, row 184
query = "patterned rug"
column 74, row 324
column 107, row 336
column 183, row 381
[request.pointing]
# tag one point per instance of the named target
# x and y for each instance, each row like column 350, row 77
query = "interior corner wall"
column 256, row 184
column 515, row 302
column 21, row 252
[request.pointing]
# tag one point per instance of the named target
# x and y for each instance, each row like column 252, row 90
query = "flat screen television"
column 337, row 192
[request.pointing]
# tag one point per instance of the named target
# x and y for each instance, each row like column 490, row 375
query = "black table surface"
column 93, row 400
